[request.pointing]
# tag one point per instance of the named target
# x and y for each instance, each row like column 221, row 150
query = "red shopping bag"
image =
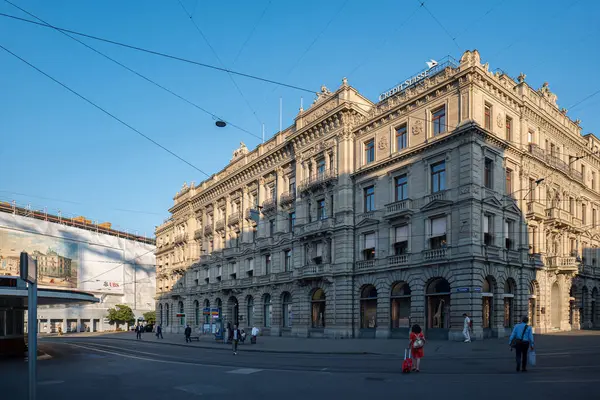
column 407, row 363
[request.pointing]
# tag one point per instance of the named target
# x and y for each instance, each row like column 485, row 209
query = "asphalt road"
column 94, row 368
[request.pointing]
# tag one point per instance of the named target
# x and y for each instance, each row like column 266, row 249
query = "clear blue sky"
column 80, row 161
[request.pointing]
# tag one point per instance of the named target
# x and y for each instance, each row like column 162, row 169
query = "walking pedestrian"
column 466, row 328
column 521, row 340
column 159, row 331
column 235, row 338
column 416, row 344
column 188, row 334
column 137, row 332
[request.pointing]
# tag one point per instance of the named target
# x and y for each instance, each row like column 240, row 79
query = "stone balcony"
column 180, row 238
column 442, row 195
column 233, row 218
column 287, row 198
column 577, row 224
column 269, row 206
column 198, row 234
column 220, row 224
column 398, row 260
column 557, row 216
column 315, row 226
column 312, row 271
column 398, row 209
column 366, row 215
column 324, row 178
column 435, row 254
column 563, row 264
column 208, row 229
column 365, row 264
column 536, row 210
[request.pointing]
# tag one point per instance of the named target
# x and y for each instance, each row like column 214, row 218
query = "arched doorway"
column 286, row 310
column 594, row 310
column 197, row 312
column 168, row 317
column 487, row 306
column 219, row 307
column 532, row 305
column 437, row 293
column 509, row 296
column 555, row 306
column 206, row 311
column 400, row 304
column 368, row 311
column 267, row 310
column 233, row 308
column 317, row 305
column 583, row 311
column 181, row 314
column 250, row 311
column 160, row 319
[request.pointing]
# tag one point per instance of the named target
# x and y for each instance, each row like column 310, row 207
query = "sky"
column 60, row 153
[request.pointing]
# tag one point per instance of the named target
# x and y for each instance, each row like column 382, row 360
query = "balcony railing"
column 441, row 195
column 365, row 215
column 435, row 254
column 398, row 207
column 365, row 264
column 198, row 234
column 401, row 259
column 208, row 229
column 314, row 270
column 180, row 238
column 535, row 209
column 536, row 151
column 562, row 263
column 320, row 178
column 315, row 226
column 287, row 197
column 233, row 218
column 269, row 205
column 220, row 224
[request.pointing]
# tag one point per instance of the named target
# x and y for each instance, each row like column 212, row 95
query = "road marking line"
column 50, row 382
column 244, row 371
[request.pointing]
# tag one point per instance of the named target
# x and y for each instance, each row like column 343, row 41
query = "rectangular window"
column 438, row 177
column 401, row 240
column 508, row 235
column 594, row 217
column 319, row 248
column 488, row 238
column 321, row 166
column 488, row 173
column 532, row 189
column 369, row 246
column 508, row 128
column 321, row 212
column 583, row 173
column 573, row 246
column 487, row 111
column 583, row 214
column 533, row 246
column 369, row 194
column 287, row 260
column 291, row 221
column 530, row 136
column 509, row 188
column 401, row 187
column 438, row 232
column 438, row 117
column 571, row 205
column 370, row 151
column 272, row 191
column 267, row 264
column 401, row 138
column 271, row 227
column 309, row 205
column 292, row 185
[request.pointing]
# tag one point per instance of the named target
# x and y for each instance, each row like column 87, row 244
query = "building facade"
column 460, row 191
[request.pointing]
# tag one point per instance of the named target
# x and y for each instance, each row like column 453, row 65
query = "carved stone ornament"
column 500, row 120
column 521, row 77
column 417, row 127
column 383, row 143
column 242, row 150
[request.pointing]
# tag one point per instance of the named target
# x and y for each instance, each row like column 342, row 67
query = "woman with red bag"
column 417, row 342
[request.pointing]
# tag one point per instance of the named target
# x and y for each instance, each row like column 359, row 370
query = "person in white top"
column 466, row 328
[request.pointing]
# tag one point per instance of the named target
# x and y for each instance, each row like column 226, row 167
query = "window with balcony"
column 508, row 128
column 438, row 118
column 487, row 116
column 272, row 193
column 532, row 186
column 219, row 273
column 319, row 246
column 401, row 183
column 291, row 221
column 401, row 137
column 370, row 151
column 292, row 185
column 509, row 234
column 271, row 227
column 321, row 211
column 321, row 167
column 369, row 198
column 573, row 247
column 488, row 173
column 488, row 238
column 287, row 260
column 437, row 238
column 401, row 240
column 530, row 136
column 509, row 181
column 438, row 177
column 368, row 251
column 267, row 264
column 233, row 270
column 571, row 205
column 250, row 267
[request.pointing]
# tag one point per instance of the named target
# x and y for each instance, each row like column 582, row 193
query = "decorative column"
column 280, row 218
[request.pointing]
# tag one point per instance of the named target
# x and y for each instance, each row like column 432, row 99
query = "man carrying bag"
column 521, row 340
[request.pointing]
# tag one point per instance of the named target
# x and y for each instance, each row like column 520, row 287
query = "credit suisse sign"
column 433, row 67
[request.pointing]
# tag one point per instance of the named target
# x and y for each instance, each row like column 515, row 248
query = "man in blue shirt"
column 521, row 340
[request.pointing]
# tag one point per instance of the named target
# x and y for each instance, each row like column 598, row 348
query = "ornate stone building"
column 461, row 191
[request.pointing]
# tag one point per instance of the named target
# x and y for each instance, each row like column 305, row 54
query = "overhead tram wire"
column 252, row 32
column 584, row 99
column 222, row 63
column 161, row 54
column 134, row 72
column 103, row 110
column 422, row 3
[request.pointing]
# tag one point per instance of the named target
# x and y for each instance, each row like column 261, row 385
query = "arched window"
column 438, row 304
column 160, row 317
column 487, row 298
column 250, row 311
column 400, row 305
column 267, row 310
column 318, row 309
column 584, row 309
column 196, row 312
column 509, row 294
column 206, row 311
column 182, row 314
column 286, row 309
column 555, row 314
column 532, row 306
column 168, row 319
column 219, row 306
column 368, row 307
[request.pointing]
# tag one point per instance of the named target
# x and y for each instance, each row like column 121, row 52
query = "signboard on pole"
column 28, row 268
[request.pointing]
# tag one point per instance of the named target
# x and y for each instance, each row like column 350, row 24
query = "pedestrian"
column 159, row 332
column 466, row 328
column 137, row 332
column 188, row 334
column 416, row 344
column 141, row 330
column 254, row 335
column 521, row 340
column 235, row 337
